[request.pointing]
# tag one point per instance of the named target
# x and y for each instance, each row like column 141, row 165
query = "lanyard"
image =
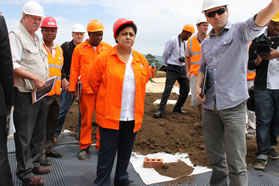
column 179, row 44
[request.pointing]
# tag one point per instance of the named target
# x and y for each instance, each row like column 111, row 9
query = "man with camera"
column 264, row 57
column 174, row 58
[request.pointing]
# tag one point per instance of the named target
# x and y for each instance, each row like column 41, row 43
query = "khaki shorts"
column 193, row 86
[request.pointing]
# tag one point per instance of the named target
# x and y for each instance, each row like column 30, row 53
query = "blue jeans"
column 267, row 120
column 66, row 103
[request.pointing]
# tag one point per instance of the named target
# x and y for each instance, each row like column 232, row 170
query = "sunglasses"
column 219, row 12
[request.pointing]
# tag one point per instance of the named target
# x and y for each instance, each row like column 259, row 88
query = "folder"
column 204, row 83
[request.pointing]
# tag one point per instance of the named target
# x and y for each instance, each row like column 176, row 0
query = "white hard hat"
column 78, row 28
column 33, row 8
column 208, row 4
column 201, row 19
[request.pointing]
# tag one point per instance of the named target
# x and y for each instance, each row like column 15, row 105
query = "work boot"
column 180, row 111
column 53, row 154
column 41, row 170
column 44, row 162
column 260, row 164
column 273, row 154
column 83, row 154
column 33, row 181
column 158, row 114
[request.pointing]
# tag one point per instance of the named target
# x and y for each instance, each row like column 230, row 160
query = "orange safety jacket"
column 251, row 74
column 194, row 49
column 152, row 71
column 55, row 66
column 106, row 78
column 83, row 57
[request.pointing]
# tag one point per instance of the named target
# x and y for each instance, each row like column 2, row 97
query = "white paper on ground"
column 151, row 176
column 170, row 102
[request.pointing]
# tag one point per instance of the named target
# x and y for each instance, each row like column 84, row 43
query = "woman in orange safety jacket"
column 118, row 77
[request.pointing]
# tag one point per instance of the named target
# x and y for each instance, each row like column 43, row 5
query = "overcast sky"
column 157, row 20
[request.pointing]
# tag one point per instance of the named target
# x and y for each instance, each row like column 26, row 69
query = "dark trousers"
column 5, row 171
column 66, row 103
column 267, row 120
column 112, row 141
column 175, row 73
column 51, row 118
column 29, row 124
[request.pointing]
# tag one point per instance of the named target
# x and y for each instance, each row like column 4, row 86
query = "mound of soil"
column 172, row 133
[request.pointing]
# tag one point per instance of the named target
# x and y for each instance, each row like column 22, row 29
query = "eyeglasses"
column 219, row 12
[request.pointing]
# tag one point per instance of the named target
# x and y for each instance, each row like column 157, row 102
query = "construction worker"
column 6, row 101
column 55, row 62
column 30, row 70
column 119, row 77
column 224, row 58
column 266, row 92
column 83, row 57
column 251, row 126
column 153, row 70
column 66, row 96
column 174, row 58
column 193, row 58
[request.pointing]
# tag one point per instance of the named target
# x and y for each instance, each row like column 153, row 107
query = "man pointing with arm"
column 224, row 54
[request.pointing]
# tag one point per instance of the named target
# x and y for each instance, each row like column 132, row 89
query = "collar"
column 88, row 45
column 54, row 44
column 24, row 30
column 135, row 57
column 225, row 29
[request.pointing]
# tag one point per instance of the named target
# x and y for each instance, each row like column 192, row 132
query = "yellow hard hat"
column 276, row 17
column 189, row 28
column 95, row 26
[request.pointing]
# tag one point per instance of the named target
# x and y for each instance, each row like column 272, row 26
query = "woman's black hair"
column 134, row 27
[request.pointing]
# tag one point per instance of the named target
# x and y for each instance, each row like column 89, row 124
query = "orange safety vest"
column 106, row 78
column 251, row 74
column 55, row 66
column 83, row 57
column 194, row 49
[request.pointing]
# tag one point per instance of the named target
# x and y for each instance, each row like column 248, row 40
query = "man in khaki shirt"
column 30, row 70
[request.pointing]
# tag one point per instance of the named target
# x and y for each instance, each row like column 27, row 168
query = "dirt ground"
column 173, row 133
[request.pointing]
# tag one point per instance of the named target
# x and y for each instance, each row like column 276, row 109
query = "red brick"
column 152, row 162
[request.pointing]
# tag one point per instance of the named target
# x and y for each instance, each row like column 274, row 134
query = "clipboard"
column 38, row 94
column 204, row 83
column 78, row 91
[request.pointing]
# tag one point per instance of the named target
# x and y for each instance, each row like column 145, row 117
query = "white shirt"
column 128, row 93
column 174, row 49
column 53, row 49
column 273, row 74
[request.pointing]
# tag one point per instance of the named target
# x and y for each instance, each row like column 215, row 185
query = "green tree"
column 152, row 59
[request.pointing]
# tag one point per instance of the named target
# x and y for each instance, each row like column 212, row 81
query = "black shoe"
column 53, row 154
column 158, row 114
column 44, row 162
column 273, row 154
column 181, row 111
column 41, row 170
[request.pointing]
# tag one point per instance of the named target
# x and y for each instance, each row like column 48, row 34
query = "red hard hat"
column 49, row 22
column 119, row 23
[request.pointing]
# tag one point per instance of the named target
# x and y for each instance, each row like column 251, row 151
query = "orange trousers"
column 87, row 107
